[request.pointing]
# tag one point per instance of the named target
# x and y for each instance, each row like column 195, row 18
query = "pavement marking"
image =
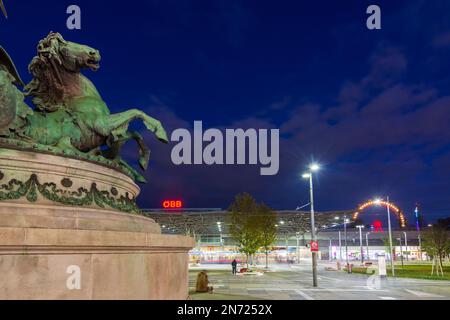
column 334, row 279
column 424, row 294
column 304, row 295
column 347, row 290
column 320, row 289
column 388, row 298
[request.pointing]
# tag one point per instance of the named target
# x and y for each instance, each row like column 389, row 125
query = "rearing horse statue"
column 69, row 113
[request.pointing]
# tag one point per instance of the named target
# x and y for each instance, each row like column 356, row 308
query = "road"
column 290, row 282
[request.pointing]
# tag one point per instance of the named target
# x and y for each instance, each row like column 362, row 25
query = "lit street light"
column 309, row 175
column 360, row 243
column 345, row 242
column 391, row 253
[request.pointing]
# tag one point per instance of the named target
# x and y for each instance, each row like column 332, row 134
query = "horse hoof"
column 143, row 163
column 162, row 135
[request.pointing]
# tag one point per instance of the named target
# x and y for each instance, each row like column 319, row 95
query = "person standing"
column 234, row 266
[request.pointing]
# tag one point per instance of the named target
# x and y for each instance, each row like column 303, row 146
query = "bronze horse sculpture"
column 69, row 115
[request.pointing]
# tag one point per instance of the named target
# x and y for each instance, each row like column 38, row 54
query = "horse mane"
column 46, row 87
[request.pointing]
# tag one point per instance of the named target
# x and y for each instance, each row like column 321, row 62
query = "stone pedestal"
column 52, row 250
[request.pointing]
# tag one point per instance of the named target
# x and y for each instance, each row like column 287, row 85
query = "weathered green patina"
column 69, row 116
column 29, row 189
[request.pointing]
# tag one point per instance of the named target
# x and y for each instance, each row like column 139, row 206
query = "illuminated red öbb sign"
column 172, row 204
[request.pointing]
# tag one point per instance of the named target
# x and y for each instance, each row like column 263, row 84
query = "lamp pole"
column 406, row 246
column 312, row 168
column 313, row 231
column 420, row 247
column 390, row 237
column 330, row 251
column 360, row 243
column 346, row 246
column 401, row 250
column 340, row 246
column 367, row 245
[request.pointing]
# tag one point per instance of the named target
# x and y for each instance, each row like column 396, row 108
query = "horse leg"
column 113, row 153
column 65, row 146
column 144, row 151
column 117, row 124
column 136, row 175
column 156, row 127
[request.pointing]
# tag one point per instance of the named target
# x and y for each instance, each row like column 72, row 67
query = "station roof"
column 207, row 221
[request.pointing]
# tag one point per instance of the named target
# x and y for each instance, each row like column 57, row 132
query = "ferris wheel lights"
column 377, row 201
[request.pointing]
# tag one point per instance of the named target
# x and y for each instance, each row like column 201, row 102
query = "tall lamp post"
column 340, row 242
column 420, row 247
column 346, row 246
column 360, row 242
column 406, row 246
column 345, row 241
column 401, row 250
column 309, row 175
column 367, row 245
column 391, row 253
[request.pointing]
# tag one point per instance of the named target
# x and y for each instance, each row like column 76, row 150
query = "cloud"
column 387, row 65
column 374, row 139
column 441, row 40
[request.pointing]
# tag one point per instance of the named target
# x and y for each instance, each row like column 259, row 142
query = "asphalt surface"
column 290, row 282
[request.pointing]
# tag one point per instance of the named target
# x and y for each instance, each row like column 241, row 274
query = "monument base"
column 69, row 230
column 85, row 253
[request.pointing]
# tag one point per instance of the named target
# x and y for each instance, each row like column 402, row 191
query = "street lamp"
column 401, row 250
column 360, row 242
column 345, row 241
column 391, row 254
column 420, row 247
column 406, row 246
column 330, row 251
column 340, row 246
column 309, row 175
column 346, row 246
column 367, row 245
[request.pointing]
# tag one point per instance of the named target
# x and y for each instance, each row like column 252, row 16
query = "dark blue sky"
column 372, row 106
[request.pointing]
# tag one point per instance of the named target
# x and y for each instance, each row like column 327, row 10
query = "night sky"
column 373, row 107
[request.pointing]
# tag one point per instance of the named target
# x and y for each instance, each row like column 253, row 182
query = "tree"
column 444, row 222
column 244, row 224
column 387, row 247
column 436, row 244
column 268, row 230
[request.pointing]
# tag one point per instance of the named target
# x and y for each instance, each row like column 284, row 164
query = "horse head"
column 70, row 55
column 53, row 68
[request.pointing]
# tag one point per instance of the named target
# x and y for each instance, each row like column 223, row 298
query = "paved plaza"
column 292, row 282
